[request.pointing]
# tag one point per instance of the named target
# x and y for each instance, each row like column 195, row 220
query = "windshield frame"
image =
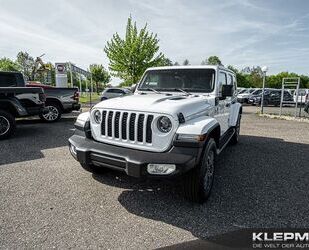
column 176, row 90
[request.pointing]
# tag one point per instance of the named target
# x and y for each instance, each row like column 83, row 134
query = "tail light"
column 42, row 97
column 76, row 96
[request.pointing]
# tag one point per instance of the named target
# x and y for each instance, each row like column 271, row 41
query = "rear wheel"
column 199, row 181
column 53, row 114
column 7, row 124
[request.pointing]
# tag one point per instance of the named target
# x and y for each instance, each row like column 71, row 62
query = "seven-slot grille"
column 127, row 126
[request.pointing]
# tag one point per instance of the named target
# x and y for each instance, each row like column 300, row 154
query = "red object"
column 38, row 84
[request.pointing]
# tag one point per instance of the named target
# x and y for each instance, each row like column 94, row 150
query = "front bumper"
column 133, row 162
column 242, row 100
column 76, row 106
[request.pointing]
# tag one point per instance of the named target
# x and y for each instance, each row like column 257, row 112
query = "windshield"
column 257, row 92
column 192, row 80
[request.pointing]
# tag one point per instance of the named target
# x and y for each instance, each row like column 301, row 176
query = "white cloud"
column 240, row 32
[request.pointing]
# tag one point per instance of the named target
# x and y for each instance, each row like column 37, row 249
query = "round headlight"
column 164, row 124
column 97, row 116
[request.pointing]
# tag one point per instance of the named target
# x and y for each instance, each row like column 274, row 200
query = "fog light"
column 161, row 169
column 73, row 150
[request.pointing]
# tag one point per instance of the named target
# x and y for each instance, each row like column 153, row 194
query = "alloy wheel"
column 52, row 113
column 4, row 125
column 210, row 167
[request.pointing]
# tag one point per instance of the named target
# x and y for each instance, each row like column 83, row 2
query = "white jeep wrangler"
column 177, row 121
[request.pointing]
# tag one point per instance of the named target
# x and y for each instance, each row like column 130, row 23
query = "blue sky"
column 242, row 33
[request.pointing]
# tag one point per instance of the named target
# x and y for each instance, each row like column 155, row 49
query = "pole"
column 91, row 89
column 80, row 84
column 262, row 99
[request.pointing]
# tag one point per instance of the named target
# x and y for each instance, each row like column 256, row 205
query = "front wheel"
column 53, row 114
column 7, row 124
column 199, row 181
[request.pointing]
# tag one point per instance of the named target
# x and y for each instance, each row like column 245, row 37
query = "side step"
column 225, row 138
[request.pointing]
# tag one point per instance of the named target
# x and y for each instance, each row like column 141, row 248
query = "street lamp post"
column 264, row 69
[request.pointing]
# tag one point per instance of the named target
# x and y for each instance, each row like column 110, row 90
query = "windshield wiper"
column 151, row 89
column 183, row 91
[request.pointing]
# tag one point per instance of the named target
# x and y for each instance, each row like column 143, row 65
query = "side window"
column 235, row 84
column 221, row 81
column 7, row 80
column 229, row 79
column 222, row 78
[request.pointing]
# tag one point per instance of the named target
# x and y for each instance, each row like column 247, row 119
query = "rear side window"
column 7, row 80
column 116, row 91
column 229, row 79
column 222, row 78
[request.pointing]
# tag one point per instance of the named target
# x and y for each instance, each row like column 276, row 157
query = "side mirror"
column 133, row 88
column 227, row 90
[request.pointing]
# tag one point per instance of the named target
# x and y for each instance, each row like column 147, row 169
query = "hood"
column 160, row 103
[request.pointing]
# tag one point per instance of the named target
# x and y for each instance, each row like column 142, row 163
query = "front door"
column 223, row 107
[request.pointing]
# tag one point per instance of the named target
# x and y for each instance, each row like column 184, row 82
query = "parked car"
column 244, row 95
column 17, row 101
column 177, row 122
column 240, row 90
column 114, row 92
column 58, row 101
column 303, row 96
column 271, row 97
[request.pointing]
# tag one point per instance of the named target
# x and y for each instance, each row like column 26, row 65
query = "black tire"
column 198, row 182
column 7, row 125
column 54, row 113
column 93, row 168
column 234, row 140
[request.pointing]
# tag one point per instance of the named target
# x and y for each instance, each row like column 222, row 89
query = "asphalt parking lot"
column 49, row 201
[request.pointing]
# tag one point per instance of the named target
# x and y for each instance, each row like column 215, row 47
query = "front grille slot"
column 127, row 126
column 132, row 127
column 117, row 117
column 109, row 123
column 140, row 127
column 148, row 129
column 124, row 125
column 103, row 127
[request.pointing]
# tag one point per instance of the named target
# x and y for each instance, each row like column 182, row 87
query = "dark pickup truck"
column 17, row 101
column 58, row 101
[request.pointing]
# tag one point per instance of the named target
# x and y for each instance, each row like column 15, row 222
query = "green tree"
column 130, row 56
column 7, row 64
column 166, row 62
column 99, row 75
column 242, row 80
column 212, row 60
column 186, row 62
column 26, row 64
column 176, row 63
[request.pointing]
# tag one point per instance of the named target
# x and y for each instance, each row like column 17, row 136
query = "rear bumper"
column 133, row 162
column 71, row 107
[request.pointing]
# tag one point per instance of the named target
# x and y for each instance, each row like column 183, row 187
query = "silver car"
column 114, row 92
